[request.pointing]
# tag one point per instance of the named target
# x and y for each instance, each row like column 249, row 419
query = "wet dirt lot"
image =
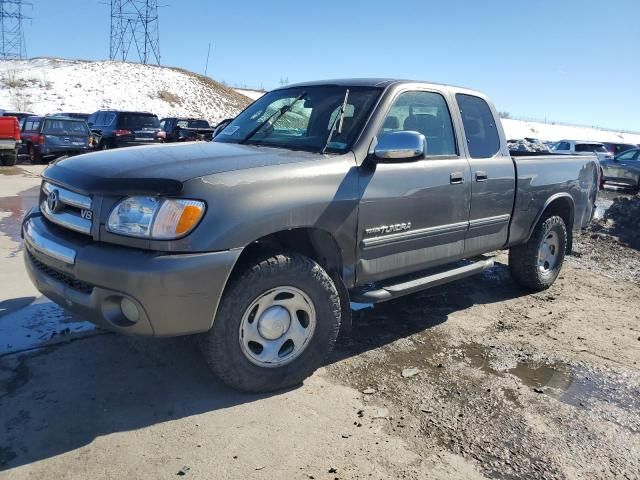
column 476, row 379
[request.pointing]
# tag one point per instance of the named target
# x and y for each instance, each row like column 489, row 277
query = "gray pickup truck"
column 315, row 196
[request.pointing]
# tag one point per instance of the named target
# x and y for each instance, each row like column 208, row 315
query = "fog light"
column 129, row 310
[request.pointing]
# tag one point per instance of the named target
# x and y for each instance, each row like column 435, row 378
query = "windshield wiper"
column 339, row 119
column 275, row 116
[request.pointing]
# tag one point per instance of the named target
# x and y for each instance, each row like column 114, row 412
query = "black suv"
column 116, row 128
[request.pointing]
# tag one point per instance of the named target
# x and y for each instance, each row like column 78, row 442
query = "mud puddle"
column 573, row 385
column 13, row 209
column 11, row 171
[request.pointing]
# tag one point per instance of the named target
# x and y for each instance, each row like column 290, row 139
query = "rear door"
column 413, row 215
column 492, row 177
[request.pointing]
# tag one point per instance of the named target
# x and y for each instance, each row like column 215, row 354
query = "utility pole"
column 206, row 67
column 12, row 40
column 135, row 31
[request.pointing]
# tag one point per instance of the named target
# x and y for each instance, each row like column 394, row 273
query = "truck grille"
column 66, row 208
column 62, row 277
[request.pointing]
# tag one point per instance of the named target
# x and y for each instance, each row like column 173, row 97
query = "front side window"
column 629, row 155
column 479, row 126
column 426, row 113
column 304, row 118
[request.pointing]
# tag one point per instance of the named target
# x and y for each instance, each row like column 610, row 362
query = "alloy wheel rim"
column 548, row 252
column 277, row 327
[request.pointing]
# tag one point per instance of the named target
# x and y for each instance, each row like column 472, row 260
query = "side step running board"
column 389, row 292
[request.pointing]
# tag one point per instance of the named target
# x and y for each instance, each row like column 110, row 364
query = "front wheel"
column 275, row 325
column 537, row 263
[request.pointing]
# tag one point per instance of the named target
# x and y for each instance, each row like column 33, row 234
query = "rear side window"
column 64, row 127
column 590, row 147
column 31, row 125
column 562, row 146
column 479, row 126
column 426, row 113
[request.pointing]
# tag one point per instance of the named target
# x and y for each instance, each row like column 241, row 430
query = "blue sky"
column 567, row 60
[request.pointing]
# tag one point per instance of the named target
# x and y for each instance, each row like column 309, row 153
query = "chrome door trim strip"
column 414, row 234
column 483, row 222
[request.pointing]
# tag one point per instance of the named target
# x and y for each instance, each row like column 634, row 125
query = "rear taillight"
column 16, row 131
column 41, row 139
column 120, row 133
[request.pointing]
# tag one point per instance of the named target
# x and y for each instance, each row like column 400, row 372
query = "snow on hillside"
column 248, row 92
column 518, row 129
column 48, row 85
column 45, row 85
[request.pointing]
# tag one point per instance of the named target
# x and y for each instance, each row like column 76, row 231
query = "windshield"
column 192, row 124
column 590, row 147
column 137, row 121
column 304, row 124
column 64, row 127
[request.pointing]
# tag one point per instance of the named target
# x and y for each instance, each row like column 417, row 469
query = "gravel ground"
column 477, row 379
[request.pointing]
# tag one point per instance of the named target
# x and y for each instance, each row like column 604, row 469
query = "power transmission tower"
column 11, row 18
column 134, row 30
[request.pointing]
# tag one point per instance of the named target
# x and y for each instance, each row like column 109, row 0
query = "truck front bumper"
column 173, row 294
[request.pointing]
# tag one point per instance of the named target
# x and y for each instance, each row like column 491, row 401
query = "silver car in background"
column 623, row 170
column 582, row 147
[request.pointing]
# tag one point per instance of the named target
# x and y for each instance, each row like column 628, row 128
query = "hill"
column 49, row 85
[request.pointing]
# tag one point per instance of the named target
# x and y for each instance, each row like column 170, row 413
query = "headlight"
column 155, row 218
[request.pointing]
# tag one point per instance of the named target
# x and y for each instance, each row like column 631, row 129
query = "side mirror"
column 221, row 126
column 401, row 146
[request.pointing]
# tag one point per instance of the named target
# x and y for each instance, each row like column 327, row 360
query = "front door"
column 624, row 169
column 492, row 178
column 414, row 215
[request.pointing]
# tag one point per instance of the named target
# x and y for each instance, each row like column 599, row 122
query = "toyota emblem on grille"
column 53, row 201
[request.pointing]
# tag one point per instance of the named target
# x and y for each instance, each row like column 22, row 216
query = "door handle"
column 456, row 178
column 481, row 176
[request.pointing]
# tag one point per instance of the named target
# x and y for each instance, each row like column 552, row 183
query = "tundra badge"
column 398, row 227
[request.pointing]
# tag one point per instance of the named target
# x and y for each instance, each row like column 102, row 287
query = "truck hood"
column 163, row 168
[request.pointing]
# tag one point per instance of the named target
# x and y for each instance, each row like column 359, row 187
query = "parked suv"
column 46, row 138
column 582, row 147
column 117, row 129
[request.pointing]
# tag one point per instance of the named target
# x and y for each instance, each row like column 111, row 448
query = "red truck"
column 9, row 140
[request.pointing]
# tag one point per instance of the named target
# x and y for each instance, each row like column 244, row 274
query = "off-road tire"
column 8, row 160
column 221, row 345
column 523, row 259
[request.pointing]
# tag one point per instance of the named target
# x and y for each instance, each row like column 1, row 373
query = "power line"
column 135, row 31
column 12, row 40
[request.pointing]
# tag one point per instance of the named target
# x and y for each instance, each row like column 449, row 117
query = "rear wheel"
column 537, row 263
column 275, row 325
column 34, row 155
column 8, row 160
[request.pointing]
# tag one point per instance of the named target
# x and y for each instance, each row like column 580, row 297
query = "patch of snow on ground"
column 252, row 94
